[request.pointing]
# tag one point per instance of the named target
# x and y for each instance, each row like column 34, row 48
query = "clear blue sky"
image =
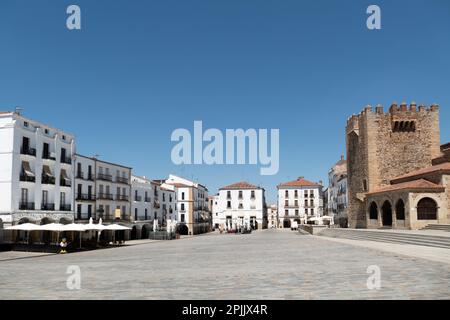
column 140, row 69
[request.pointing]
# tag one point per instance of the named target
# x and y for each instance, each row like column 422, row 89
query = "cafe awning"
column 64, row 176
column 46, row 170
column 27, row 169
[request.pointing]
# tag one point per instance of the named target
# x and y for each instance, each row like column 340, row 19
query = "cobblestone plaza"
column 269, row 264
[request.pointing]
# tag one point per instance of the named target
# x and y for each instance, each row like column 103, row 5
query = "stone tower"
column 381, row 146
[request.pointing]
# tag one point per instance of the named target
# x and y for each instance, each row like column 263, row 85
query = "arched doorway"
column 133, row 233
column 287, row 223
column 427, row 209
column 400, row 210
column 386, row 213
column 373, row 211
column 144, row 232
column 182, row 229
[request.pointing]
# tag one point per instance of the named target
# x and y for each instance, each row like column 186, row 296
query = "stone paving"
column 269, row 264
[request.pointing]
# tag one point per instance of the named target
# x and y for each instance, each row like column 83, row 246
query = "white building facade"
column 299, row 201
column 337, row 192
column 103, row 190
column 192, row 205
column 241, row 203
column 36, row 172
column 272, row 216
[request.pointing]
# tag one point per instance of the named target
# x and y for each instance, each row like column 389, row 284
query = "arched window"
column 426, row 209
column 373, row 212
column 400, row 210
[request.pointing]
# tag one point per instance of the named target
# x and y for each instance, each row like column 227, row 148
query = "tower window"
column 404, row 126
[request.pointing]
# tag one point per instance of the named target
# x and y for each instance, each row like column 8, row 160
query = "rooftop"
column 300, row 182
column 419, row 184
column 240, row 185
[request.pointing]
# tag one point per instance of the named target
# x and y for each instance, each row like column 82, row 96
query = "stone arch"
column 182, row 229
column 65, row 221
column 373, row 211
column 400, row 209
column 133, row 233
column 24, row 220
column 427, row 209
column 46, row 220
column 145, row 232
column 287, row 223
column 386, row 213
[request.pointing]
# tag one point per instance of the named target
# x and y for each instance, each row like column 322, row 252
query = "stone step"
column 423, row 240
column 441, row 227
column 389, row 234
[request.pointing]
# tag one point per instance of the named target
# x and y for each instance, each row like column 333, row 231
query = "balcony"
column 25, row 178
column 122, row 197
column 65, row 207
column 64, row 183
column 147, row 199
column 85, row 197
column 47, row 156
column 90, row 177
column 105, row 196
column 295, row 206
column 26, row 206
column 138, row 198
column 105, row 177
column 48, row 180
column 122, row 180
column 28, row 151
column 80, row 175
column 48, row 206
column 66, row 160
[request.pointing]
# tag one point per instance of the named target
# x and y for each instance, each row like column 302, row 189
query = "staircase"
column 388, row 236
column 441, row 227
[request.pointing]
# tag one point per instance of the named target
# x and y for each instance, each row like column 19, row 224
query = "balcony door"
column 24, row 196
column 44, row 197
column 25, row 144
column 46, row 151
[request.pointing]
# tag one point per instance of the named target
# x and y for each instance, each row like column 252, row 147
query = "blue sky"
column 140, row 69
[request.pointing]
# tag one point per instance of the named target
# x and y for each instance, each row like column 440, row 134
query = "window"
column 228, row 194
column 311, row 203
column 296, row 203
column 240, row 194
column 241, row 206
column 26, row 124
column 312, row 211
column 79, row 211
column 364, row 185
column 24, row 195
column 286, row 193
column 63, row 198
column 426, row 209
column 182, row 207
column 146, row 214
column 46, row 131
column 404, row 126
column 182, row 196
column 373, row 211
column 228, row 204
column 252, row 194
column 182, row 217
column 296, row 193
column 296, row 212
column 286, row 212
column 400, row 210
column 89, row 210
column 286, row 202
column 135, row 213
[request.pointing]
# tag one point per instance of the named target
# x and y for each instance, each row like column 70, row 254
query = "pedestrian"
column 63, row 245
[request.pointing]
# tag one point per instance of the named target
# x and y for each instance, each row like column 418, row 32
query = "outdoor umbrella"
column 55, row 227
column 74, row 227
column 114, row 228
column 25, row 227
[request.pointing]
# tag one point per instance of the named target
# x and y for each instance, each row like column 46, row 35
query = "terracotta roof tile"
column 240, row 185
column 300, row 182
column 439, row 167
column 419, row 184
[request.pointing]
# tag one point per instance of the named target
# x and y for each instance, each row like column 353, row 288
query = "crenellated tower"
column 383, row 145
